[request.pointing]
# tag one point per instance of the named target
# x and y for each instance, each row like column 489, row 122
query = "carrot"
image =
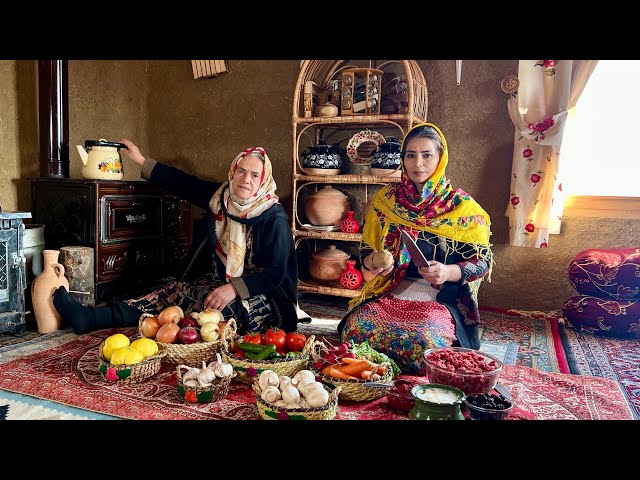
column 380, row 368
column 334, row 372
column 356, row 368
column 366, row 374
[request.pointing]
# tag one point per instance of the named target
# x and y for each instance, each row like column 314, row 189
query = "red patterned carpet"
column 68, row 374
column 608, row 357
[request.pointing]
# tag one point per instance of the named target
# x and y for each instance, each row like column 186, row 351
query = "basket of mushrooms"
column 280, row 397
column 207, row 384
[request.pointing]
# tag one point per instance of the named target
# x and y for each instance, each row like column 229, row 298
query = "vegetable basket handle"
column 179, row 369
column 334, row 393
column 229, row 334
column 309, row 344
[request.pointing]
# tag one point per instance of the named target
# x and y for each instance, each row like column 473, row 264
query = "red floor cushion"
column 607, row 273
column 607, row 316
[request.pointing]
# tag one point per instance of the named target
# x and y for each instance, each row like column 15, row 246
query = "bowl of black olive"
column 487, row 406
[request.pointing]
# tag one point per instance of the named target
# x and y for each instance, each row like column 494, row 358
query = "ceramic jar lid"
column 331, row 253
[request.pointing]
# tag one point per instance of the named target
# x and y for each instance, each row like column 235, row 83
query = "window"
column 600, row 157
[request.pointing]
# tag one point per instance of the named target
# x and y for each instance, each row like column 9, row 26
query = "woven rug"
column 67, row 374
column 608, row 357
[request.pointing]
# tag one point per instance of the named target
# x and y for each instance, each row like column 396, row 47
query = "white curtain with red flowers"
column 548, row 89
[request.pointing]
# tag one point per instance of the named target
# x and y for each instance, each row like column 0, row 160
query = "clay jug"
column 43, row 286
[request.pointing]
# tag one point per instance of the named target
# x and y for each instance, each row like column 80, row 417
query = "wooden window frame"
column 601, row 206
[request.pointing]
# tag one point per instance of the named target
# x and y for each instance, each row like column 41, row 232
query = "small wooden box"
column 361, row 91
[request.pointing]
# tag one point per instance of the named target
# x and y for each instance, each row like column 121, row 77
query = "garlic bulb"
column 223, row 370
column 206, row 377
column 268, row 378
column 191, row 383
column 192, row 374
column 270, row 394
column 304, row 403
column 281, row 404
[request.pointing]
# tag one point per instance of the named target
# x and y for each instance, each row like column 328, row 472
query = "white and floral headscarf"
column 231, row 246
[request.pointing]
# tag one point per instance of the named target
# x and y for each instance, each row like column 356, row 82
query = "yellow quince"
column 146, row 346
column 112, row 343
column 126, row 356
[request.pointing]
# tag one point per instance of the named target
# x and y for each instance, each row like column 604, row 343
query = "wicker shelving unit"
column 355, row 181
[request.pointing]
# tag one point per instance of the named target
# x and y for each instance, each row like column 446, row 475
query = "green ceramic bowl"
column 436, row 402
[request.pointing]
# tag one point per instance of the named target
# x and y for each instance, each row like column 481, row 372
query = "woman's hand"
column 437, row 273
column 220, row 297
column 133, row 152
column 368, row 264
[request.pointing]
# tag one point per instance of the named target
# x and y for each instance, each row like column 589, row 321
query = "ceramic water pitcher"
column 101, row 160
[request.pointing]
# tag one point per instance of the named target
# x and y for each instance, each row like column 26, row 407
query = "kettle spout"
column 83, row 154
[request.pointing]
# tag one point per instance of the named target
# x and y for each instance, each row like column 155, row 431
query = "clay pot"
column 327, row 206
column 43, row 286
column 327, row 265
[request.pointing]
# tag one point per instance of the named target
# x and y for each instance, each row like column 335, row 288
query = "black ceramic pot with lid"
column 322, row 159
column 386, row 158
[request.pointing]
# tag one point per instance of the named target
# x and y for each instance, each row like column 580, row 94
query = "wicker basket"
column 268, row 411
column 192, row 354
column 355, row 390
column 248, row 370
column 135, row 373
column 214, row 392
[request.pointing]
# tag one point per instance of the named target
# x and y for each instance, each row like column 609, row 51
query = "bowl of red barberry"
column 487, row 406
column 468, row 370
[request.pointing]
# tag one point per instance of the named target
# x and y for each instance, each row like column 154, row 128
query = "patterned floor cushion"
column 607, row 273
column 606, row 316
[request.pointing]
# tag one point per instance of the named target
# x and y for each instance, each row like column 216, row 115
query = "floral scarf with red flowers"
column 438, row 209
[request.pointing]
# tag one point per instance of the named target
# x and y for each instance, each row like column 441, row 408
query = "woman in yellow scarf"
column 404, row 310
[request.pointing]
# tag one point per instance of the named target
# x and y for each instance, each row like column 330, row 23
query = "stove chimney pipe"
column 53, row 118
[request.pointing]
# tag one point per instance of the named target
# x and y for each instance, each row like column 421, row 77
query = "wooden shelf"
column 311, row 287
column 348, row 179
column 358, row 120
column 347, row 237
column 310, row 91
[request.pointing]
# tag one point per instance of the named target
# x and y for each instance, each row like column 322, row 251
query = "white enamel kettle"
column 101, row 160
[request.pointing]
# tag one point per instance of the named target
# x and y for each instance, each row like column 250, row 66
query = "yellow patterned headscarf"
column 231, row 246
column 437, row 209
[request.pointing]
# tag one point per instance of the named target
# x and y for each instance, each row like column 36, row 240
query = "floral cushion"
column 607, row 316
column 607, row 273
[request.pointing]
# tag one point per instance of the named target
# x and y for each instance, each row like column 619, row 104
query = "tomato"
column 277, row 336
column 254, row 338
column 295, row 341
column 239, row 353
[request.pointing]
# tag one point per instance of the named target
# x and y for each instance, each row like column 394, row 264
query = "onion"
column 170, row 314
column 150, row 327
column 188, row 321
column 382, row 259
column 209, row 315
column 168, row 333
column 188, row 335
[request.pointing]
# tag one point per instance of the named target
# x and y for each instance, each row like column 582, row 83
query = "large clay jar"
column 327, row 206
column 327, row 265
column 43, row 286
